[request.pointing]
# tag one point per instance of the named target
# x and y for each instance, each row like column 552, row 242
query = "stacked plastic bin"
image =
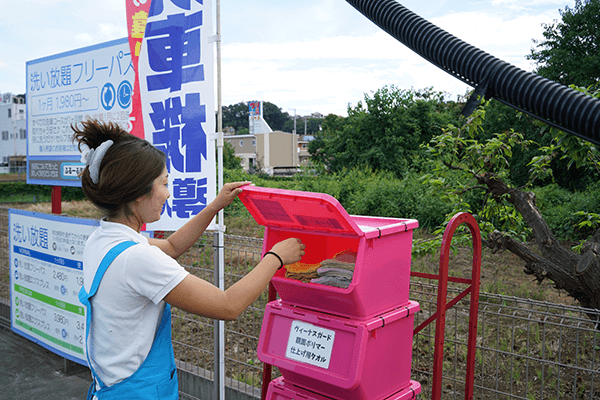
column 344, row 343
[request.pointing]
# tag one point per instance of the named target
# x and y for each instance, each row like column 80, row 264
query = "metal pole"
column 220, row 369
column 293, row 136
column 216, row 322
column 56, row 200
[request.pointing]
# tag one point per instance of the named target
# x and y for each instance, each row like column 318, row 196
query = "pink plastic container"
column 280, row 390
column 337, row 357
column 382, row 247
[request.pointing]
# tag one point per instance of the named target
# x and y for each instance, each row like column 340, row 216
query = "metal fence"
column 526, row 349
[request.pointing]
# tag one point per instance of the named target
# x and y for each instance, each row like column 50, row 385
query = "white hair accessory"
column 85, row 152
column 93, row 158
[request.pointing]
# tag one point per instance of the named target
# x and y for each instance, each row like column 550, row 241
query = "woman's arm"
column 180, row 241
column 202, row 298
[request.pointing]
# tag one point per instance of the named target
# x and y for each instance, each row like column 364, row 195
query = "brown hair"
column 127, row 170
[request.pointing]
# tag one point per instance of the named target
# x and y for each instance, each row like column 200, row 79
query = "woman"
column 131, row 281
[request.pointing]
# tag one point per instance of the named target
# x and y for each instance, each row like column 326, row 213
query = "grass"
column 12, row 177
column 25, row 198
column 78, row 209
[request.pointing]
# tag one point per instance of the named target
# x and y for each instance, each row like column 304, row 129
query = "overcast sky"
column 302, row 55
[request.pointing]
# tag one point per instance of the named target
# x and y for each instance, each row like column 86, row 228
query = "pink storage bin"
column 338, row 357
column 280, row 390
column 382, row 247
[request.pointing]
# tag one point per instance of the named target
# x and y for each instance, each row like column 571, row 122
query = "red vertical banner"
column 137, row 15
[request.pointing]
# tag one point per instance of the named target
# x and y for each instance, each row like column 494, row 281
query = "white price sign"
column 310, row 344
column 46, row 273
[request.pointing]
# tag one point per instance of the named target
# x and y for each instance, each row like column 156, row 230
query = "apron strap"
column 84, row 296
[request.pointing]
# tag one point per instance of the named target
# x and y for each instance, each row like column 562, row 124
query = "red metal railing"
column 443, row 305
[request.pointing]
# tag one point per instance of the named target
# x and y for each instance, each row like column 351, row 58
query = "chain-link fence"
column 526, row 349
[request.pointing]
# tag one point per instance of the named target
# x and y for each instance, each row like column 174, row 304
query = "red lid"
column 292, row 209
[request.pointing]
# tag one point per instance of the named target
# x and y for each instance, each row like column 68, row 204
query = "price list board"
column 65, row 89
column 46, row 273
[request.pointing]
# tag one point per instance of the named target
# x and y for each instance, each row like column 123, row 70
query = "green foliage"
column 8, row 189
column 568, row 157
column 230, row 160
column 459, row 156
column 570, row 215
column 569, row 52
column 308, row 126
column 466, row 157
column 362, row 191
column 383, row 133
column 11, row 189
column 236, row 116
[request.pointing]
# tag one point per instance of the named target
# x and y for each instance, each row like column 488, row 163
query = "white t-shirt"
column 129, row 303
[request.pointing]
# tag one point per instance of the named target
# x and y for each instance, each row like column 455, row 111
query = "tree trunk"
column 578, row 275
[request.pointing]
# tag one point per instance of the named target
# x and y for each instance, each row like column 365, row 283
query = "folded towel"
column 335, row 272
column 333, row 281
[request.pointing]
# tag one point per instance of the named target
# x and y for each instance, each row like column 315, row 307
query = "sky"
column 304, row 56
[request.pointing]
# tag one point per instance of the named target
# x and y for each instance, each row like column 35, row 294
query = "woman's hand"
column 227, row 194
column 290, row 250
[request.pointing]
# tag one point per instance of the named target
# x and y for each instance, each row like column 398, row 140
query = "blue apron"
column 156, row 378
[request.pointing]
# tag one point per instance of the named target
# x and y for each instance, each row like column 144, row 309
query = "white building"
column 13, row 133
column 269, row 151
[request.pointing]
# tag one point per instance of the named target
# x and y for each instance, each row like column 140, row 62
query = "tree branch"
column 524, row 202
column 539, row 266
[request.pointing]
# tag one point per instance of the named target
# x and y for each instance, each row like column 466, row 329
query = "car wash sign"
column 177, row 97
column 46, row 257
column 67, row 88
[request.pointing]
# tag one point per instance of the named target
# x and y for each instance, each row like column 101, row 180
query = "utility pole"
column 293, row 137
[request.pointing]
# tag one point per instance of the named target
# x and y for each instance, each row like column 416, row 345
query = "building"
column 272, row 152
column 275, row 153
column 245, row 148
column 13, row 131
column 303, row 154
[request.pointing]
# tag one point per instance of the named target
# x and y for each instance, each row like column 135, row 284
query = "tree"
column 236, row 116
column 230, row 160
column 313, row 125
column 508, row 214
column 384, row 133
column 274, row 116
column 501, row 118
column 570, row 52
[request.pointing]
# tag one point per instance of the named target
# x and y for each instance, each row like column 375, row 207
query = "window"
column 241, row 143
column 4, row 135
column 23, row 133
column 253, row 142
column 9, row 112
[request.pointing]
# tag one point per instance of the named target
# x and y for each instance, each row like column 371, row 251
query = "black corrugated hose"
column 546, row 100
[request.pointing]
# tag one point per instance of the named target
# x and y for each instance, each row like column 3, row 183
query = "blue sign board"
column 64, row 89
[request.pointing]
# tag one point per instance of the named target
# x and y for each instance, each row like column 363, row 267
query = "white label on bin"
column 310, row 344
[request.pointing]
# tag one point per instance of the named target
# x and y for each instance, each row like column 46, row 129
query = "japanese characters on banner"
column 46, row 254
column 177, row 93
column 137, row 15
column 67, row 88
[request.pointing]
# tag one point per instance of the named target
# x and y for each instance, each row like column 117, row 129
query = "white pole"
column 294, row 150
column 221, row 216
